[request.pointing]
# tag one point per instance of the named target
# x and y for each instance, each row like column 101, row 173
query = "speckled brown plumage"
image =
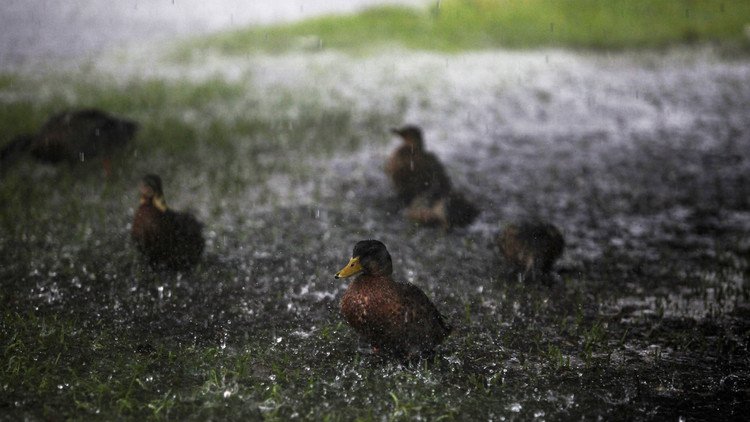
column 415, row 171
column 74, row 136
column 531, row 247
column 392, row 316
column 166, row 238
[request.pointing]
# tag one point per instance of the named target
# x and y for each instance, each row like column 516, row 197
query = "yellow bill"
column 352, row 268
column 160, row 203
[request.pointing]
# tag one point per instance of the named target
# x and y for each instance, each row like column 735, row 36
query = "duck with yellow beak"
column 392, row 316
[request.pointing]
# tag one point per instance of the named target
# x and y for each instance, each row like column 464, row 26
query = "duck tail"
column 10, row 153
column 459, row 211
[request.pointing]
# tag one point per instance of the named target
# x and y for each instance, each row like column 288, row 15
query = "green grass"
column 458, row 25
column 65, row 368
column 59, row 364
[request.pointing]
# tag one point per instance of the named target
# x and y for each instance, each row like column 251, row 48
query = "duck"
column 449, row 211
column 413, row 170
column 74, row 136
column 168, row 239
column 531, row 247
column 393, row 317
column 422, row 184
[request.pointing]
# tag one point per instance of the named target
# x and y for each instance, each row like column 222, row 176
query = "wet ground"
column 641, row 159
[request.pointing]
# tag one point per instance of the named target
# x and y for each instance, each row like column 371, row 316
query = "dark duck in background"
column 413, row 170
column 166, row 238
column 74, row 136
column 421, row 183
column 391, row 316
column 531, row 247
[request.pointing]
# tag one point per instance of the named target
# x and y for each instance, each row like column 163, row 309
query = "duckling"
column 413, row 170
column 449, row 211
column 531, row 247
column 74, row 136
column 394, row 316
column 167, row 238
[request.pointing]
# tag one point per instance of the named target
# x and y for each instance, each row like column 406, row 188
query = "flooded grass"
column 458, row 25
column 641, row 159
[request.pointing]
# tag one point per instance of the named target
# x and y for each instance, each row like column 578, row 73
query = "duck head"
column 151, row 192
column 370, row 257
column 411, row 135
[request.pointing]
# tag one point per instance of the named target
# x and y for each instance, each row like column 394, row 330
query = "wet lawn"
column 641, row 159
column 460, row 25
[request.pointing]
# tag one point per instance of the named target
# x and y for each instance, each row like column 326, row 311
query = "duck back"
column 77, row 135
column 415, row 172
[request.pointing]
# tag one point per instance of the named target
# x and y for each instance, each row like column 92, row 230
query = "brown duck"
column 415, row 171
column 74, row 136
column 392, row 316
column 168, row 239
column 531, row 247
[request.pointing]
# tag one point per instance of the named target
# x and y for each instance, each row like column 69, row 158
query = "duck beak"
column 396, row 131
column 352, row 268
column 159, row 203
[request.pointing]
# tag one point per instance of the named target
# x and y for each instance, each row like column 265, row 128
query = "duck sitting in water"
column 531, row 247
column 167, row 238
column 74, row 136
column 415, row 171
column 393, row 316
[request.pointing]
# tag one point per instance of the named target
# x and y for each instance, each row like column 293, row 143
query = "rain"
column 273, row 132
